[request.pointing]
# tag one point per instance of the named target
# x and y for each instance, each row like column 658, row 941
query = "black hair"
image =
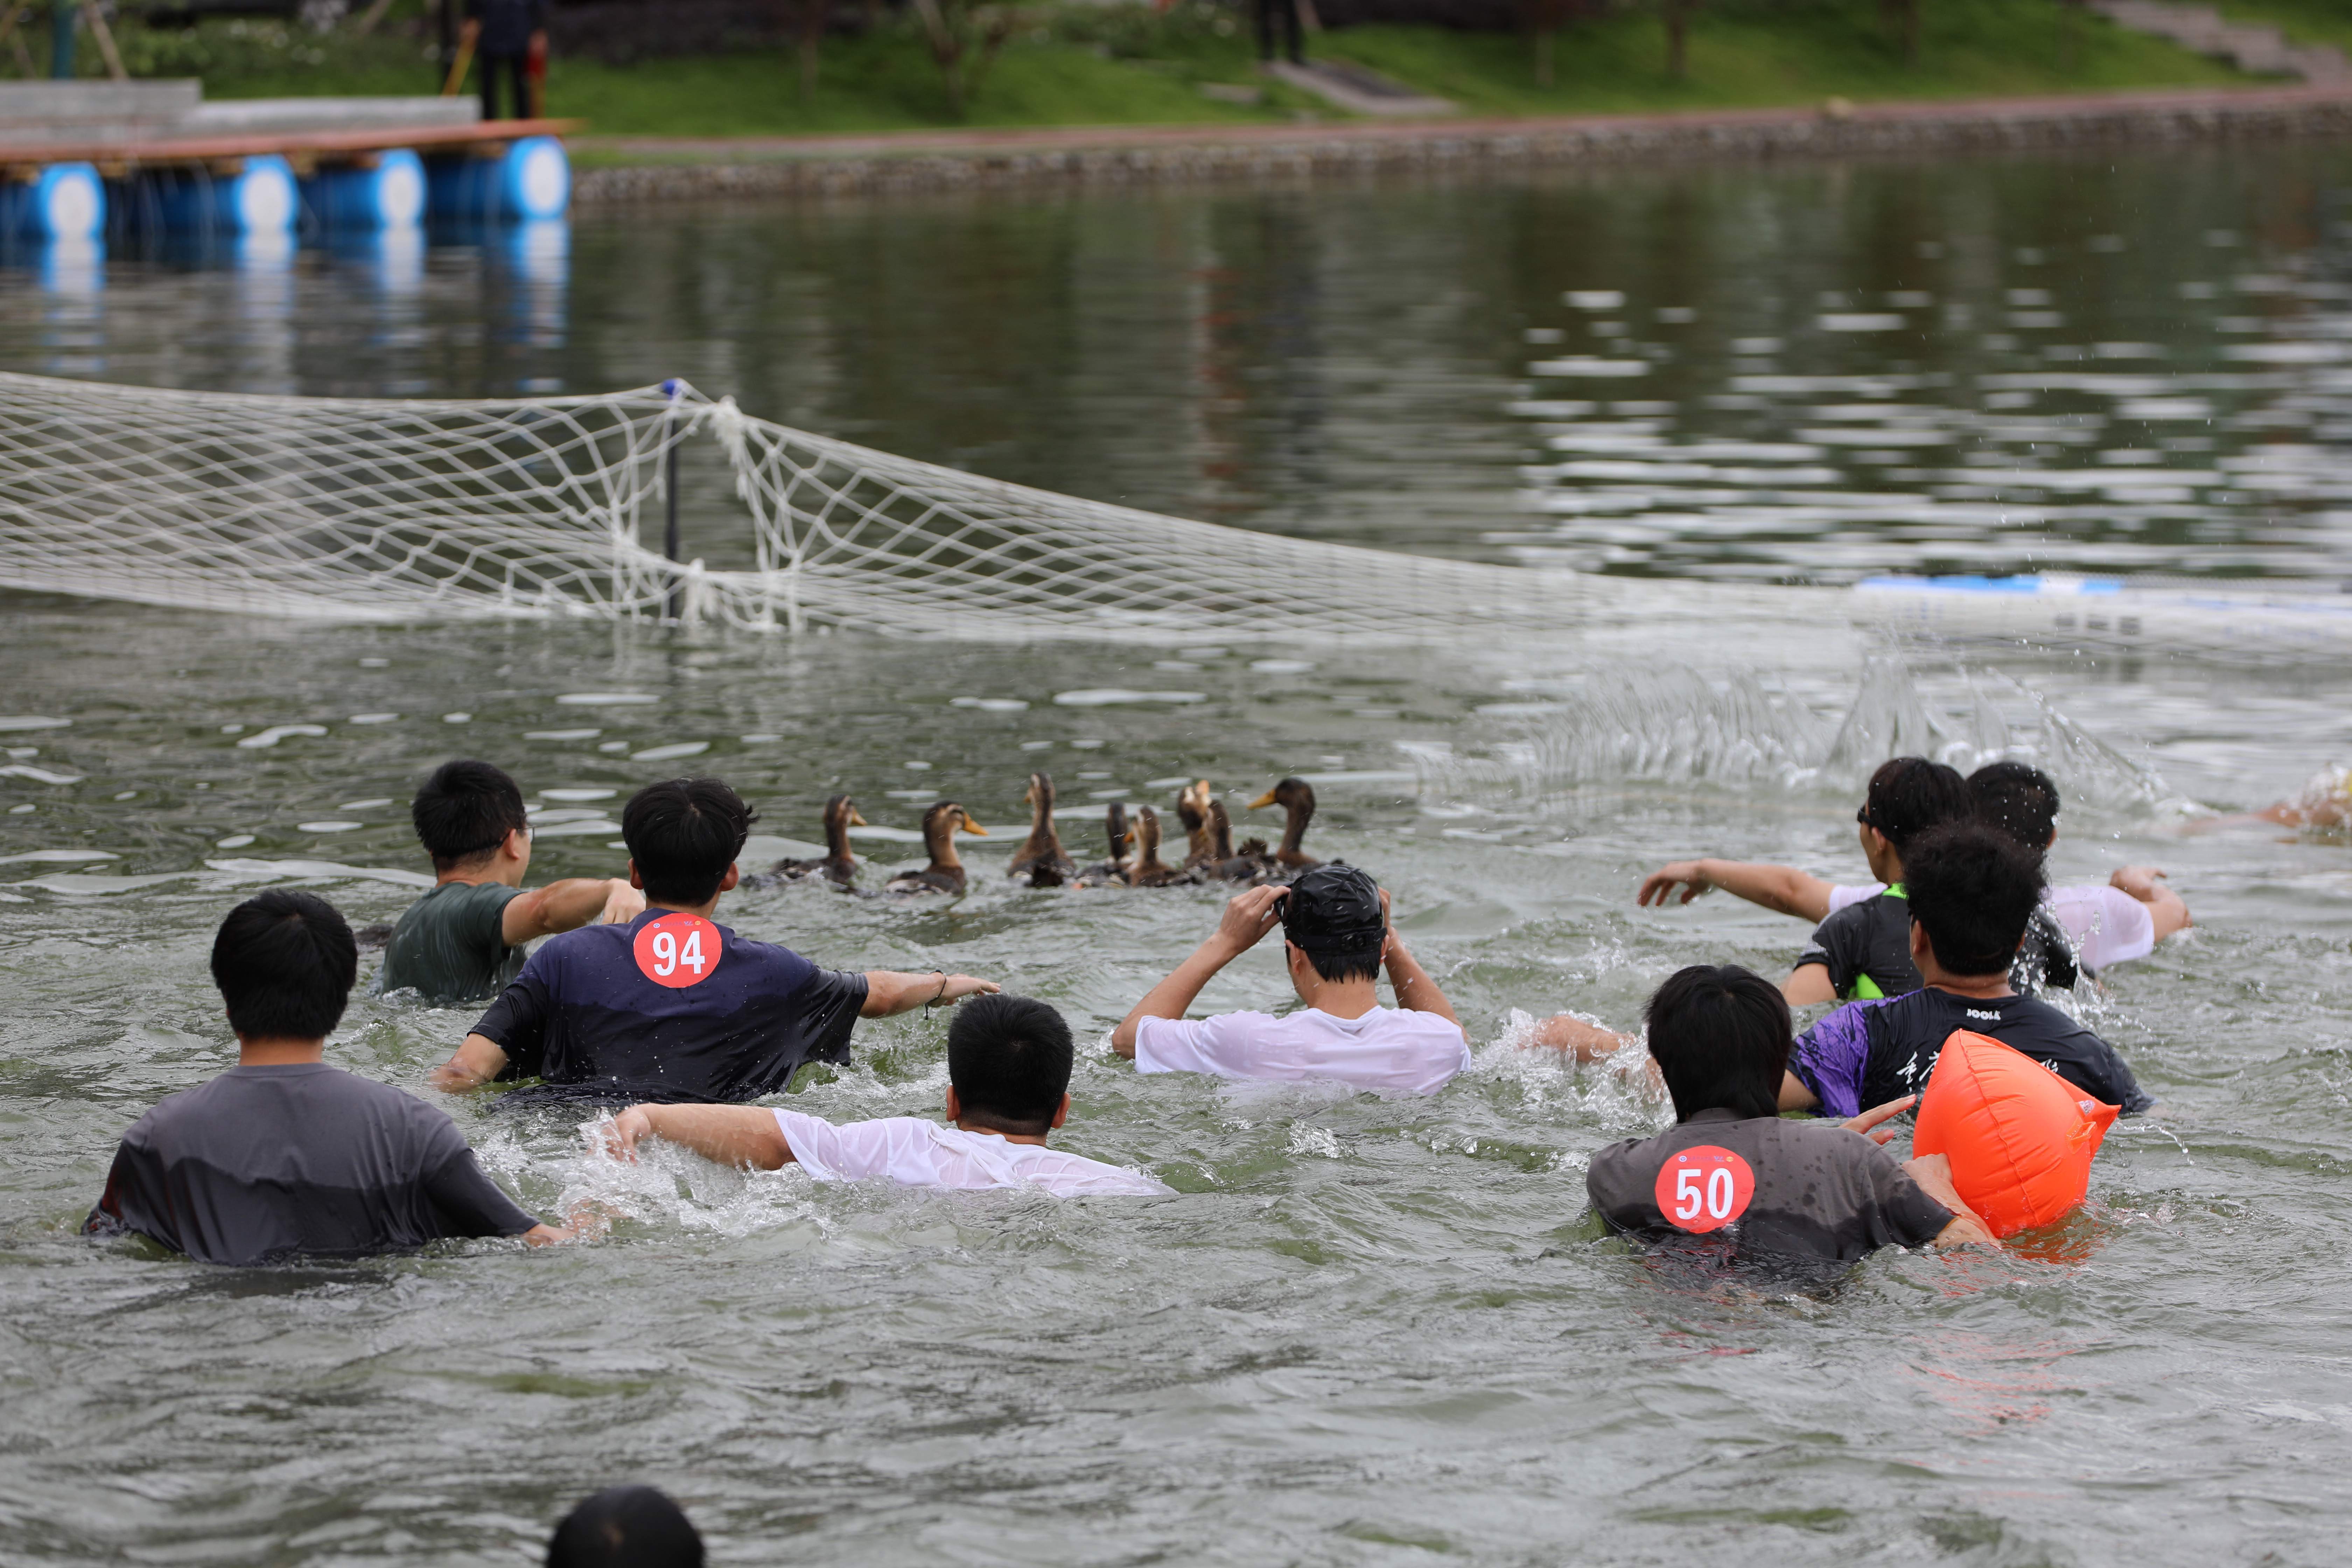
column 1973, row 889
column 1909, row 795
column 1332, row 914
column 1009, row 1058
column 2019, row 799
column 285, row 962
column 464, row 811
column 683, row 835
column 1345, row 963
column 626, row 1527
column 1720, row 1037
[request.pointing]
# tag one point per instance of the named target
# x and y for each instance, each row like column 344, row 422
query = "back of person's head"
column 626, row 1527
column 1009, row 1058
column 683, row 835
column 285, row 962
column 2019, row 799
column 1909, row 795
column 1972, row 889
column 1332, row 914
column 1720, row 1034
column 464, row 811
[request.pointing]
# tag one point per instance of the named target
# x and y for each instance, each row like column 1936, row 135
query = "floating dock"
column 85, row 161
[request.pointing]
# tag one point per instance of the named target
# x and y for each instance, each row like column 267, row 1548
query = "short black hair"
column 464, row 811
column 2019, row 799
column 1973, row 889
column 1909, row 795
column 1720, row 1034
column 626, row 1527
column 285, row 962
column 683, row 835
column 1332, row 914
column 1009, row 1058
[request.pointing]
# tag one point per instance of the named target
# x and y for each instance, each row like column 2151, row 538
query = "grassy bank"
column 2303, row 21
column 1090, row 65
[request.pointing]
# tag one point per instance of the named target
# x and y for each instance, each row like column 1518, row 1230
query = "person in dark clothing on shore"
column 510, row 40
column 283, row 1155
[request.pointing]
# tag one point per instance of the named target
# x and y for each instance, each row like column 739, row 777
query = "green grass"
column 1106, row 66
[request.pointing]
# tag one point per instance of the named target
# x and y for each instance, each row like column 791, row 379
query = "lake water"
column 1366, row 1332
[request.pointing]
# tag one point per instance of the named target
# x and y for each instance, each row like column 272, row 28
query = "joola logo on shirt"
column 1971, row 1012
column 678, row 950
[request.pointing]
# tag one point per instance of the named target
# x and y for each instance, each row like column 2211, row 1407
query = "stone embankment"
column 678, row 169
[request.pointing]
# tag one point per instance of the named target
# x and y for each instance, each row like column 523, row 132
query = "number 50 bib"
column 678, row 950
column 1704, row 1188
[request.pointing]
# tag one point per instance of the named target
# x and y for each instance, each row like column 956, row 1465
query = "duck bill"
column 1262, row 801
column 974, row 827
column 855, row 820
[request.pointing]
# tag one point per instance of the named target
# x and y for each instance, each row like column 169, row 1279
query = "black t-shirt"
column 451, row 945
column 1868, row 1053
column 507, row 25
column 1866, row 947
column 1763, row 1186
column 270, row 1162
column 669, row 1007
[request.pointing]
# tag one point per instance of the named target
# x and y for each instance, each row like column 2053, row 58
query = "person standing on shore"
column 509, row 38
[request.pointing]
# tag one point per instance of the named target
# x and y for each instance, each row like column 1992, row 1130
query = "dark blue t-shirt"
column 668, row 1007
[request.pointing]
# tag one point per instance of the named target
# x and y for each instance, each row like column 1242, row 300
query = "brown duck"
column 1113, row 871
column 1296, row 797
column 838, row 866
column 1041, row 862
column 1192, row 811
column 945, row 873
column 1252, row 864
column 1148, row 871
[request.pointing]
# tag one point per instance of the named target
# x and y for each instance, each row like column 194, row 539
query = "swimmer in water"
column 2324, row 806
column 671, row 1005
column 1732, row 1171
column 464, row 940
column 1009, row 1061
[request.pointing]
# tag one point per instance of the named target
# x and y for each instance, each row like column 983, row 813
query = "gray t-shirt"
column 1808, row 1190
column 269, row 1161
column 451, row 945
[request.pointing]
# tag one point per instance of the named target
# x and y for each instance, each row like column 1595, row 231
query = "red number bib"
column 1704, row 1188
column 678, row 950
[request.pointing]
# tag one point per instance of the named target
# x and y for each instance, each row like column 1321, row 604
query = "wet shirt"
column 669, row 1007
column 1390, row 1048
column 915, row 1152
column 1765, row 1185
column 266, row 1163
column 506, row 25
column 1866, row 947
column 1871, row 1052
column 451, row 945
column 2105, row 925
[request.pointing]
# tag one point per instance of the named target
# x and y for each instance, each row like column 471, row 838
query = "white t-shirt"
column 2106, row 925
column 917, row 1153
column 1387, row 1048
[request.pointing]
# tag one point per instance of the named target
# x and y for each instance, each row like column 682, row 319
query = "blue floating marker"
column 259, row 198
column 391, row 195
column 66, row 201
column 530, row 180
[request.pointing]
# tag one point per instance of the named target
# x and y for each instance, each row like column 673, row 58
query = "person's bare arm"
column 1934, row 1174
column 742, row 1135
column 1585, row 1042
column 1808, row 985
column 1248, row 916
column 2165, row 907
column 1780, row 888
column 472, row 1064
column 888, row 992
column 567, row 905
column 1416, row 991
column 1795, row 1096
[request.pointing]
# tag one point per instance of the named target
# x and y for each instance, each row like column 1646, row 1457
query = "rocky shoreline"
column 680, row 169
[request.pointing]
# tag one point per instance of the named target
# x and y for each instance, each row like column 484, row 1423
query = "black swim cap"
column 1333, row 909
column 626, row 1527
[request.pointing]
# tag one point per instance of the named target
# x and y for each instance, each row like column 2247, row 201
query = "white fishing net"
column 557, row 508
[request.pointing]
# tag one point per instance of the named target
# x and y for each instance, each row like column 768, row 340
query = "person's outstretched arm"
column 1934, row 1174
column 470, row 1065
column 742, row 1135
column 567, row 905
column 1585, row 1042
column 1416, row 991
column 1248, row 917
column 1782, row 888
column 2165, row 907
column 1808, row 985
column 888, row 992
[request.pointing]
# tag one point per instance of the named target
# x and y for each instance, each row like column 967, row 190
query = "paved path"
column 2263, row 50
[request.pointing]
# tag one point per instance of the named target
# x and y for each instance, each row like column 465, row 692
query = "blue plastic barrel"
column 65, row 201
column 391, row 195
column 259, row 198
column 532, row 179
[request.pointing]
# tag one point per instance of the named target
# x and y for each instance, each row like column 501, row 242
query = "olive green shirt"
column 451, row 945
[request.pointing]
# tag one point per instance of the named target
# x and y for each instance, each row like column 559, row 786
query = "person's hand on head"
column 1249, row 915
column 1388, row 923
column 1659, row 884
column 1867, row 1123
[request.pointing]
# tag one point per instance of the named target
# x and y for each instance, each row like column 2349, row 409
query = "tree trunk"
column 813, row 16
column 1678, row 38
column 1543, row 57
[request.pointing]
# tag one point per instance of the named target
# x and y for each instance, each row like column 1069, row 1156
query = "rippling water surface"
column 1364, row 1331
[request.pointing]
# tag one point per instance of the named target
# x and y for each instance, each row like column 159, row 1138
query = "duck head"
column 941, row 824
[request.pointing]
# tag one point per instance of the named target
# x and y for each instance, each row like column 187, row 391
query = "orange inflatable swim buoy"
column 2020, row 1138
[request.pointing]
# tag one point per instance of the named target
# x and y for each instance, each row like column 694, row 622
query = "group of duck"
column 1134, row 842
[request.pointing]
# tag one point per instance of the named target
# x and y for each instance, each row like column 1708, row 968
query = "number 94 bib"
column 678, row 950
column 1704, row 1188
